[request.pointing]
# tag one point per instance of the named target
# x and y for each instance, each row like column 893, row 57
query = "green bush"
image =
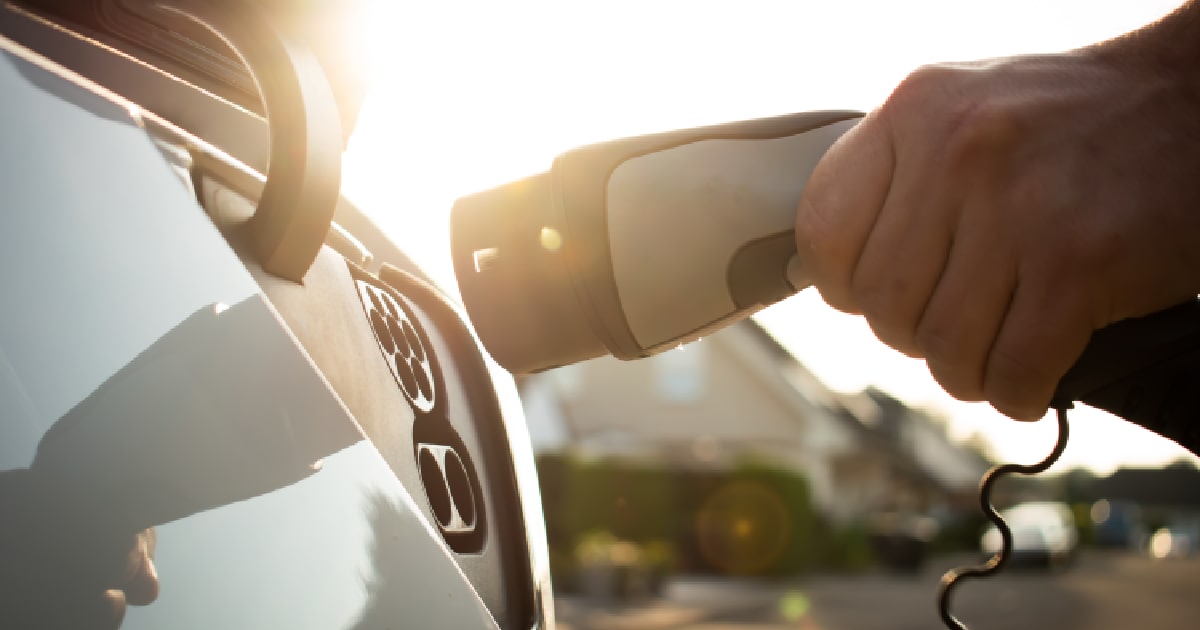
column 849, row 550
column 806, row 536
column 756, row 519
column 961, row 534
column 1083, row 523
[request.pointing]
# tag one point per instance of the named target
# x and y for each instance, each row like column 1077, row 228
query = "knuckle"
column 879, row 298
column 944, row 101
column 1008, row 369
column 979, row 130
column 938, row 341
column 949, row 360
column 894, row 334
column 921, row 84
column 891, row 304
column 1013, row 384
column 893, row 295
column 958, row 379
column 836, row 299
column 937, row 99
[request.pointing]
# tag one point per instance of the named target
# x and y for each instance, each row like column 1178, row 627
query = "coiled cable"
column 954, row 577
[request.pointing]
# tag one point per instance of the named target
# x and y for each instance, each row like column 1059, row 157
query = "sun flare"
column 466, row 95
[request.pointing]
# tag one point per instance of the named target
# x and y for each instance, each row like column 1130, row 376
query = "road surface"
column 1102, row 591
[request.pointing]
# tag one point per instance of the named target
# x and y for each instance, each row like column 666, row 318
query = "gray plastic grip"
column 678, row 219
column 617, row 254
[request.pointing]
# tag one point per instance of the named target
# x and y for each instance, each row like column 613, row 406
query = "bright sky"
column 467, row 95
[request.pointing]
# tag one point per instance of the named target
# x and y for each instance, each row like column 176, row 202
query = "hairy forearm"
column 1168, row 47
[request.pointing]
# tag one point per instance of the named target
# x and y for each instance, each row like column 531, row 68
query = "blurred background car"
column 1117, row 524
column 1044, row 535
column 900, row 541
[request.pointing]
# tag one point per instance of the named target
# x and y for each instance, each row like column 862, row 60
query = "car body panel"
column 111, row 283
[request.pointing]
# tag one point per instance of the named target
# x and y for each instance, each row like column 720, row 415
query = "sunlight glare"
column 466, row 95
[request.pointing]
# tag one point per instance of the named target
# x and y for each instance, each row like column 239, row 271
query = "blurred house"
column 906, row 460
column 738, row 394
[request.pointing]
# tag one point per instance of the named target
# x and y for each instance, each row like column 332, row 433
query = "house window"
column 679, row 373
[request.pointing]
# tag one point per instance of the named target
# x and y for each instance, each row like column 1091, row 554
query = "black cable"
column 954, row 577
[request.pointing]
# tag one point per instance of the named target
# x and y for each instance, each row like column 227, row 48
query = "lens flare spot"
column 1161, row 544
column 743, row 528
column 794, row 606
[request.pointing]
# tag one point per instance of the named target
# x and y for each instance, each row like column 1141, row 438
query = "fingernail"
column 798, row 274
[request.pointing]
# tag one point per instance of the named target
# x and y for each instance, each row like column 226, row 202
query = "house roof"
column 879, row 419
column 872, row 419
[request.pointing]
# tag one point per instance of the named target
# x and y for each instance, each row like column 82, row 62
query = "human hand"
column 990, row 216
column 64, row 573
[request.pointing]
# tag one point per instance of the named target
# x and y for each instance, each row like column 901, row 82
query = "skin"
column 990, row 216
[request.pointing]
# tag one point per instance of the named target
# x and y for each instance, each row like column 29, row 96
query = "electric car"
column 227, row 400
